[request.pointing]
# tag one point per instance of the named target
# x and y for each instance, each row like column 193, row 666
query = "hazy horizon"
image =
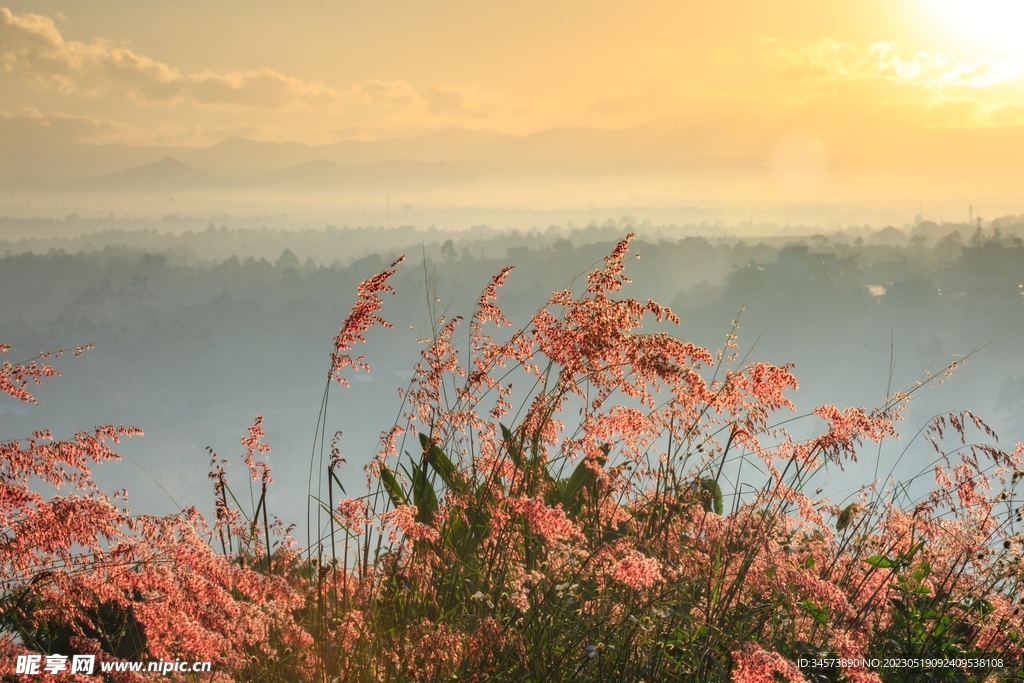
column 197, row 333
column 849, row 105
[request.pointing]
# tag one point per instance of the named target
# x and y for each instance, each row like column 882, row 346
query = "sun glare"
column 994, row 24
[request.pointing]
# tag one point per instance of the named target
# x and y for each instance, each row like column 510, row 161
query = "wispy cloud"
column 950, row 90
column 658, row 97
column 61, row 129
column 832, row 60
column 402, row 99
column 32, row 48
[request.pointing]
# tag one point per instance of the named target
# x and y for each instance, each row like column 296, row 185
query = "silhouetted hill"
column 166, row 175
column 324, row 175
column 251, row 155
column 711, row 158
column 663, row 141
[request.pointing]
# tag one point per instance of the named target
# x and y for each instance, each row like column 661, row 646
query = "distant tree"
column 448, row 250
column 950, row 244
column 287, row 260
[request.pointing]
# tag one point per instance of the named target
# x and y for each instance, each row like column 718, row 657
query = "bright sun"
column 996, row 24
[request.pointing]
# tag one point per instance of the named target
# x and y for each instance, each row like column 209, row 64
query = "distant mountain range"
column 883, row 152
column 168, row 174
column 171, row 175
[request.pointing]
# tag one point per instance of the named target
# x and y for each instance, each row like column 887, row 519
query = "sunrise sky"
column 197, row 72
column 815, row 83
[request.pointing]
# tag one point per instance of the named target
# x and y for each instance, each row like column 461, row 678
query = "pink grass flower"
column 754, row 664
column 363, row 316
column 638, row 571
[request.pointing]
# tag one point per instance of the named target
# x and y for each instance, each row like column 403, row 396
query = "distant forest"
column 197, row 332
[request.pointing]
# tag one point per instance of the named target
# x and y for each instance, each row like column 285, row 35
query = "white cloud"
column 948, row 89
column 58, row 129
column 32, row 48
column 387, row 93
column 61, row 129
column 979, row 74
column 401, row 98
column 655, row 97
column 829, row 59
column 444, row 99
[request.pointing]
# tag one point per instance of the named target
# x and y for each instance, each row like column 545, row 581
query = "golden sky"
column 193, row 73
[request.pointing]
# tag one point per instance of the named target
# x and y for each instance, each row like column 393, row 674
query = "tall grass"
column 584, row 498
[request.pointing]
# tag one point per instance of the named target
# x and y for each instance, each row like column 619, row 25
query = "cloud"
column 832, row 60
column 61, row 129
column 32, row 48
column 401, row 98
column 826, row 74
column 447, row 99
column 945, row 89
column 982, row 73
column 1002, row 114
column 58, row 129
column 386, row 93
column 655, row 97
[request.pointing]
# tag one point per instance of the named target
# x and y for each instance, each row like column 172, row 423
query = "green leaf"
column 983, row 606
column 880, row 561
column 900, row 606
column 468, row 528
column 907, row 558
column 423, row 495
column 710, row 494
column 442, row 464
column 846, row 516
column 820, row 614
column 334, row 476
column 514, row 451
column 582, row 478
column 392, row 486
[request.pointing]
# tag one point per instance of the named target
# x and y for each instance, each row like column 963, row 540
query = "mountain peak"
column 168, row 174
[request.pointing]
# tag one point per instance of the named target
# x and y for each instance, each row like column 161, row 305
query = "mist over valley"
column 195, row 333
